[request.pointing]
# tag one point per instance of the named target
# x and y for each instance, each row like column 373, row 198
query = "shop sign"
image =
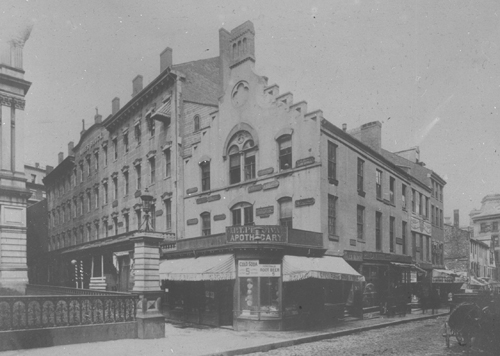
column 270, row 270
column 247, row 234
column 421, row 226
column 252, row 268
column 248, row 268
column 413, row 276
column 304, row 162
column 443, row 279
column 304, row 202
column 380, row 256
column 353, row 255
column 266, row 210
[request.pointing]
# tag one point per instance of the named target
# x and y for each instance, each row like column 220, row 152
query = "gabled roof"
column 202, row 84
column 415, row 170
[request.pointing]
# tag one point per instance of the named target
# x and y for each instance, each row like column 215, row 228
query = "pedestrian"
column 450, row 300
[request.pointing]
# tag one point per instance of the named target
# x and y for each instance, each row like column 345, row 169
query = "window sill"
column 361, row 193
column 361, row 241
column 333, row 181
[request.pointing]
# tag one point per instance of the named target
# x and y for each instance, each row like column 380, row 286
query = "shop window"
column 242, row 214
column 286, row 211
column 285, row 152
column 205, row 175
column 205, row 224
column 259, row 296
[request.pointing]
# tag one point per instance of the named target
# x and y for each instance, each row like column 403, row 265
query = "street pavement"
column 184, row 340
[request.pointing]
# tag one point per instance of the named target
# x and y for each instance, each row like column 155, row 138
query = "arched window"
column 205, row 224
column 242, row 214
column 197, row 123
column 286, row 218
column 285, row 152
column 242, row 160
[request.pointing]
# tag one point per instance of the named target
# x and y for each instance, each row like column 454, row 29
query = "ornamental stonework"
column 7, row 100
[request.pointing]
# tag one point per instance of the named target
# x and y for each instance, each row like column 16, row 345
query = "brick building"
column 264, row 205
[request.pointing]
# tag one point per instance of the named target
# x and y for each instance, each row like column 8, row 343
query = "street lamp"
column 75, row 263
column 146, row 207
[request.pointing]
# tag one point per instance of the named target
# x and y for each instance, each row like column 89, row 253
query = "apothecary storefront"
column 255, row 278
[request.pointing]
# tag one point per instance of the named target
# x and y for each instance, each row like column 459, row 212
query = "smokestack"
column 115, row 105
column 136, row 85
column 60, row 157
column 165, row 59
column 97, row 117
column 71, row 145
column 456, row 218
column 83, row 127
column 344, row 127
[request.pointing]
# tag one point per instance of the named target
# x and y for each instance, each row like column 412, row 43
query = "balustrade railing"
column 38, row 289
column 43, row 311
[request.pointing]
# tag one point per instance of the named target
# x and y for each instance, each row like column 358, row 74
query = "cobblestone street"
column 422, row 338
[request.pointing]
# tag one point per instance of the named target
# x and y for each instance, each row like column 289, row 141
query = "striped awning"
column 204, row 268
column 296, row 268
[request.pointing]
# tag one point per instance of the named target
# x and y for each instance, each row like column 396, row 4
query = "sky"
column 427, row 69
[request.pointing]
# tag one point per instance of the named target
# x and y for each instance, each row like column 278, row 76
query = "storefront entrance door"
column 226, row 303
column 124, row 273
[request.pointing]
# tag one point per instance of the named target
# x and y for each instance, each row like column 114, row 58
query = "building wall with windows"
column 485, row 221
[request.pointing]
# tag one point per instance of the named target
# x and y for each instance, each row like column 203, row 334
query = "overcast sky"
column 427, row 69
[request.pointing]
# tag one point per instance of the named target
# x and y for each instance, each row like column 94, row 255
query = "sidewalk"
column 196, row 341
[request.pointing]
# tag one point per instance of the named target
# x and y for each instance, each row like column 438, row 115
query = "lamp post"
column 75, row 263
column 147, row 199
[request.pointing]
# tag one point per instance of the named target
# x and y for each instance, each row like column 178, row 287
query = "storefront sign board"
column 248, row 268
column 247, row 234
column 270, row 270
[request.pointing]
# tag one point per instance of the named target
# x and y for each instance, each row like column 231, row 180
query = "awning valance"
column 409, row 266
column 296, row 268
column 204, row 268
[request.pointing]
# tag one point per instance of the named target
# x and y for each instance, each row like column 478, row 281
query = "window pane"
column 249, row 166
column 234, row 169
column 269, row 296
column 236, row 217
column 248, row 215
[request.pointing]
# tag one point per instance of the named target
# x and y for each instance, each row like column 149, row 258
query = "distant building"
column 13, row 191
column 485, row 221
column 34, row 182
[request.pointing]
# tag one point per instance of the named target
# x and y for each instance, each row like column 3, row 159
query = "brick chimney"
column 115, row 105
column 370, row 134
column 165, row 59
column 60, row 157
column 136, row 85
column 456, row 218
column 48, row 169
column 71, row 145
column 97, row 117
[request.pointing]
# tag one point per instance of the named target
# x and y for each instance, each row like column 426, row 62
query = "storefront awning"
column 297, row 268
column 204, row 268
column 409, row 266
column 444, row 276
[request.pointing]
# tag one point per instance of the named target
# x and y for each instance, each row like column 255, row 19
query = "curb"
column 318, row 337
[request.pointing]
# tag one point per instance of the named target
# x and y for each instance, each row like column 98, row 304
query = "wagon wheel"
column 447, row 334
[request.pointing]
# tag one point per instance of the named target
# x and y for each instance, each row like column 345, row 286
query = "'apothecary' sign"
column 256, row 234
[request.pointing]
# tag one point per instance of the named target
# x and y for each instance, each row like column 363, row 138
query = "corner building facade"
column 273, row 216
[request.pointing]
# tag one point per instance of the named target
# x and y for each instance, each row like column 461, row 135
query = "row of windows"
column 485, row 227
column 243, row 214
column 138, row 174
column 437, row 191
column 94, row 231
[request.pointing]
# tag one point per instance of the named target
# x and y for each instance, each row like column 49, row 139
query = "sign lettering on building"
column 264, row 233
column 353, row 255
column 252, row 268
column 304, row 202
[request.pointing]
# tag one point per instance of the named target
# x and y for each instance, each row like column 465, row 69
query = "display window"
column 259, row 289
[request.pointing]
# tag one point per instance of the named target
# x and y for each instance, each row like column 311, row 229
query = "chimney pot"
column 344, row 127
column 136, row 85
column 165, row 59
column 115, row 105
column 60, row 157
column 37, row 165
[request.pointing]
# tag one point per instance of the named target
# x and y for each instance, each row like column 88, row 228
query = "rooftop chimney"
column 83, row 127
column 456, row 218
column 370, row 134
column 60, row 157
column 97, row 117
column 48, row 169
column 115, row 105
column 71, row 145
column 136, row 85
column 37, row 165
column 344, row 127
column 165, row 59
